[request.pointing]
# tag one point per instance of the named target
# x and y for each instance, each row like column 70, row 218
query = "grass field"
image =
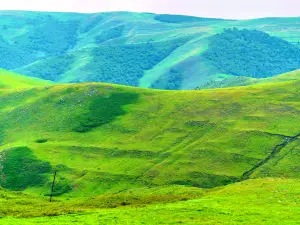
column 259, row 201
column 127, row 155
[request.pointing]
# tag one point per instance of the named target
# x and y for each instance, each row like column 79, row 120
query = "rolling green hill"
column 104, row 138
column 123, row 147
column 137, row 49
column 10, row 80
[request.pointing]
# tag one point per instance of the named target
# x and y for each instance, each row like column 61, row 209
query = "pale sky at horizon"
column 234, row 9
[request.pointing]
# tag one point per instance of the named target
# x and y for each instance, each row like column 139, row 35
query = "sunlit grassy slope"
column 116, row 146
column 12, row 80
column 261, row 201
column 105, row 138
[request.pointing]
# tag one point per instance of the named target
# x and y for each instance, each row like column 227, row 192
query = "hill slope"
column 12, row 80
column 126, row 155
column 138, row 49
column 106, row 138
column 242, row 203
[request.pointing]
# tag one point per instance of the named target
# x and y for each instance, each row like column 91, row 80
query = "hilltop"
column 136, row 49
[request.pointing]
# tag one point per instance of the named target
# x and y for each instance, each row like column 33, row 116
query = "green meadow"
column 259, row 201
column 127, row 155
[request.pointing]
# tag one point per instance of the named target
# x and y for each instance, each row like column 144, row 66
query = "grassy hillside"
column 105, row 138
column 122, row 151
column 242, row 203
column 111, row 47
column 12, row 80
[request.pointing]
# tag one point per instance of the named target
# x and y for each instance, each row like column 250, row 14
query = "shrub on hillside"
column 20, row 169
column 104, row 110
column 171, row 81
column 109, row 34
column 52, row 38
column 125, row 64
column 252, row 53
column 13, row 56
column 50, row 68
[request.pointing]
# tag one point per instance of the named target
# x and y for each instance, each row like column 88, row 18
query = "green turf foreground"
column 260, row 201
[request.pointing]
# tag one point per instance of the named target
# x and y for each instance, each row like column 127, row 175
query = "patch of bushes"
column 52, row 38
column 62, row 186
column 20, row 169
column 103, row 110
column 48, row 38
column 125, row 64
column 204, row 180
column 50, row 68
column 41, row 141
column 252, row 53
column 119, row 64
column 171, row 81
column 13, row 56
column 109, row 34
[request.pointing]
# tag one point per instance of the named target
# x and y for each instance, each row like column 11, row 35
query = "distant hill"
column 137, row 49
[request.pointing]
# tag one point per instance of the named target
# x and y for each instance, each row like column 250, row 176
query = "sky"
column 233, row 9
